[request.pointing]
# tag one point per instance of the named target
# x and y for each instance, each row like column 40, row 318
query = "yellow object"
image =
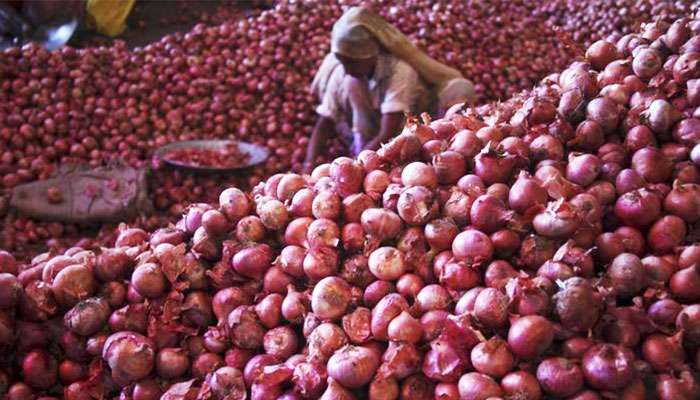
column 109, row 16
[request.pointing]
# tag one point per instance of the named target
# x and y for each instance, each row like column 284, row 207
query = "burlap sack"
column 105, row 194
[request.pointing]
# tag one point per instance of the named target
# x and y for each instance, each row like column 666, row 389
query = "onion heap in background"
column 543, row 247
column 247, row 79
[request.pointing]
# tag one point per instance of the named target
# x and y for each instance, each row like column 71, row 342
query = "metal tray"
column 257, row 154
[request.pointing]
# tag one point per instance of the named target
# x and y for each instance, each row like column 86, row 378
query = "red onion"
column 347, row 176
column 39, row 369
column 505, row 242
column 320, row 262
column 171, row 363
column 608, row 366
column 245, row 330
column 491, row 308
column 323, row 232
column 130, row 355
column 647, row 63
column 559, row 377
column 335, row 391
column 380, row 223
column 326, row 204
column 529, row 336
column 353, row 366
column 521, row 383
column 666, row 234
column 492, row 357
column 683, row 202
column 559, row 220
column 440, row 233
column 250, row 229
column 449, row 166
column 387, row 263
column 476, row 386
column 652, row 165
column 234, row 204
column 399, row 360
column 433, row 297
column 583, row 169
column 324, row 340
column 669, row 387
column 458, row 206
column 684, row 284
column 604, row 111
column 405, row 328
column 442, row 363
column 489, row 214
column 664, row 353
column 280, row 342
column 472, row 246
column 417, row 205
column 376, row 291
column 386, row 310
column 330, row 298
column 409, row 285
column 525, row 193
column 383, row 389
column 492, row 166
column 626, row 275
column 638, row 208
column 576, row 305
column 419, row 174
column 302, row 203
column 458, row 275
column 87, row 317
column 498, row 273
column 376, row 181
column 416, row 387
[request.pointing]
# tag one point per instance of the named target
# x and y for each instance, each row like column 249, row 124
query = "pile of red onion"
column 232, row 78
column 544, row 247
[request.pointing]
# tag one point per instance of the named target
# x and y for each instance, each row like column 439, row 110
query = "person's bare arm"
column 323, row 129
column 390, row 126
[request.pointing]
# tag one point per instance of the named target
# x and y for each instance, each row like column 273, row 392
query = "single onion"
column 608, row 366
column 530, row 336
column 353, row 366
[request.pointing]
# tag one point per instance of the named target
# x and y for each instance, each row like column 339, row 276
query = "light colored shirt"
column 394, row 87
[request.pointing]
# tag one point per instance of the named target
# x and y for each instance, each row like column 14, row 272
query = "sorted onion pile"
column 235, row 80
column 229, row 156
column 545, row 247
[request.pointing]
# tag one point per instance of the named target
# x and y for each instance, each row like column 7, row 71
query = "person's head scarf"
column 361, row 33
